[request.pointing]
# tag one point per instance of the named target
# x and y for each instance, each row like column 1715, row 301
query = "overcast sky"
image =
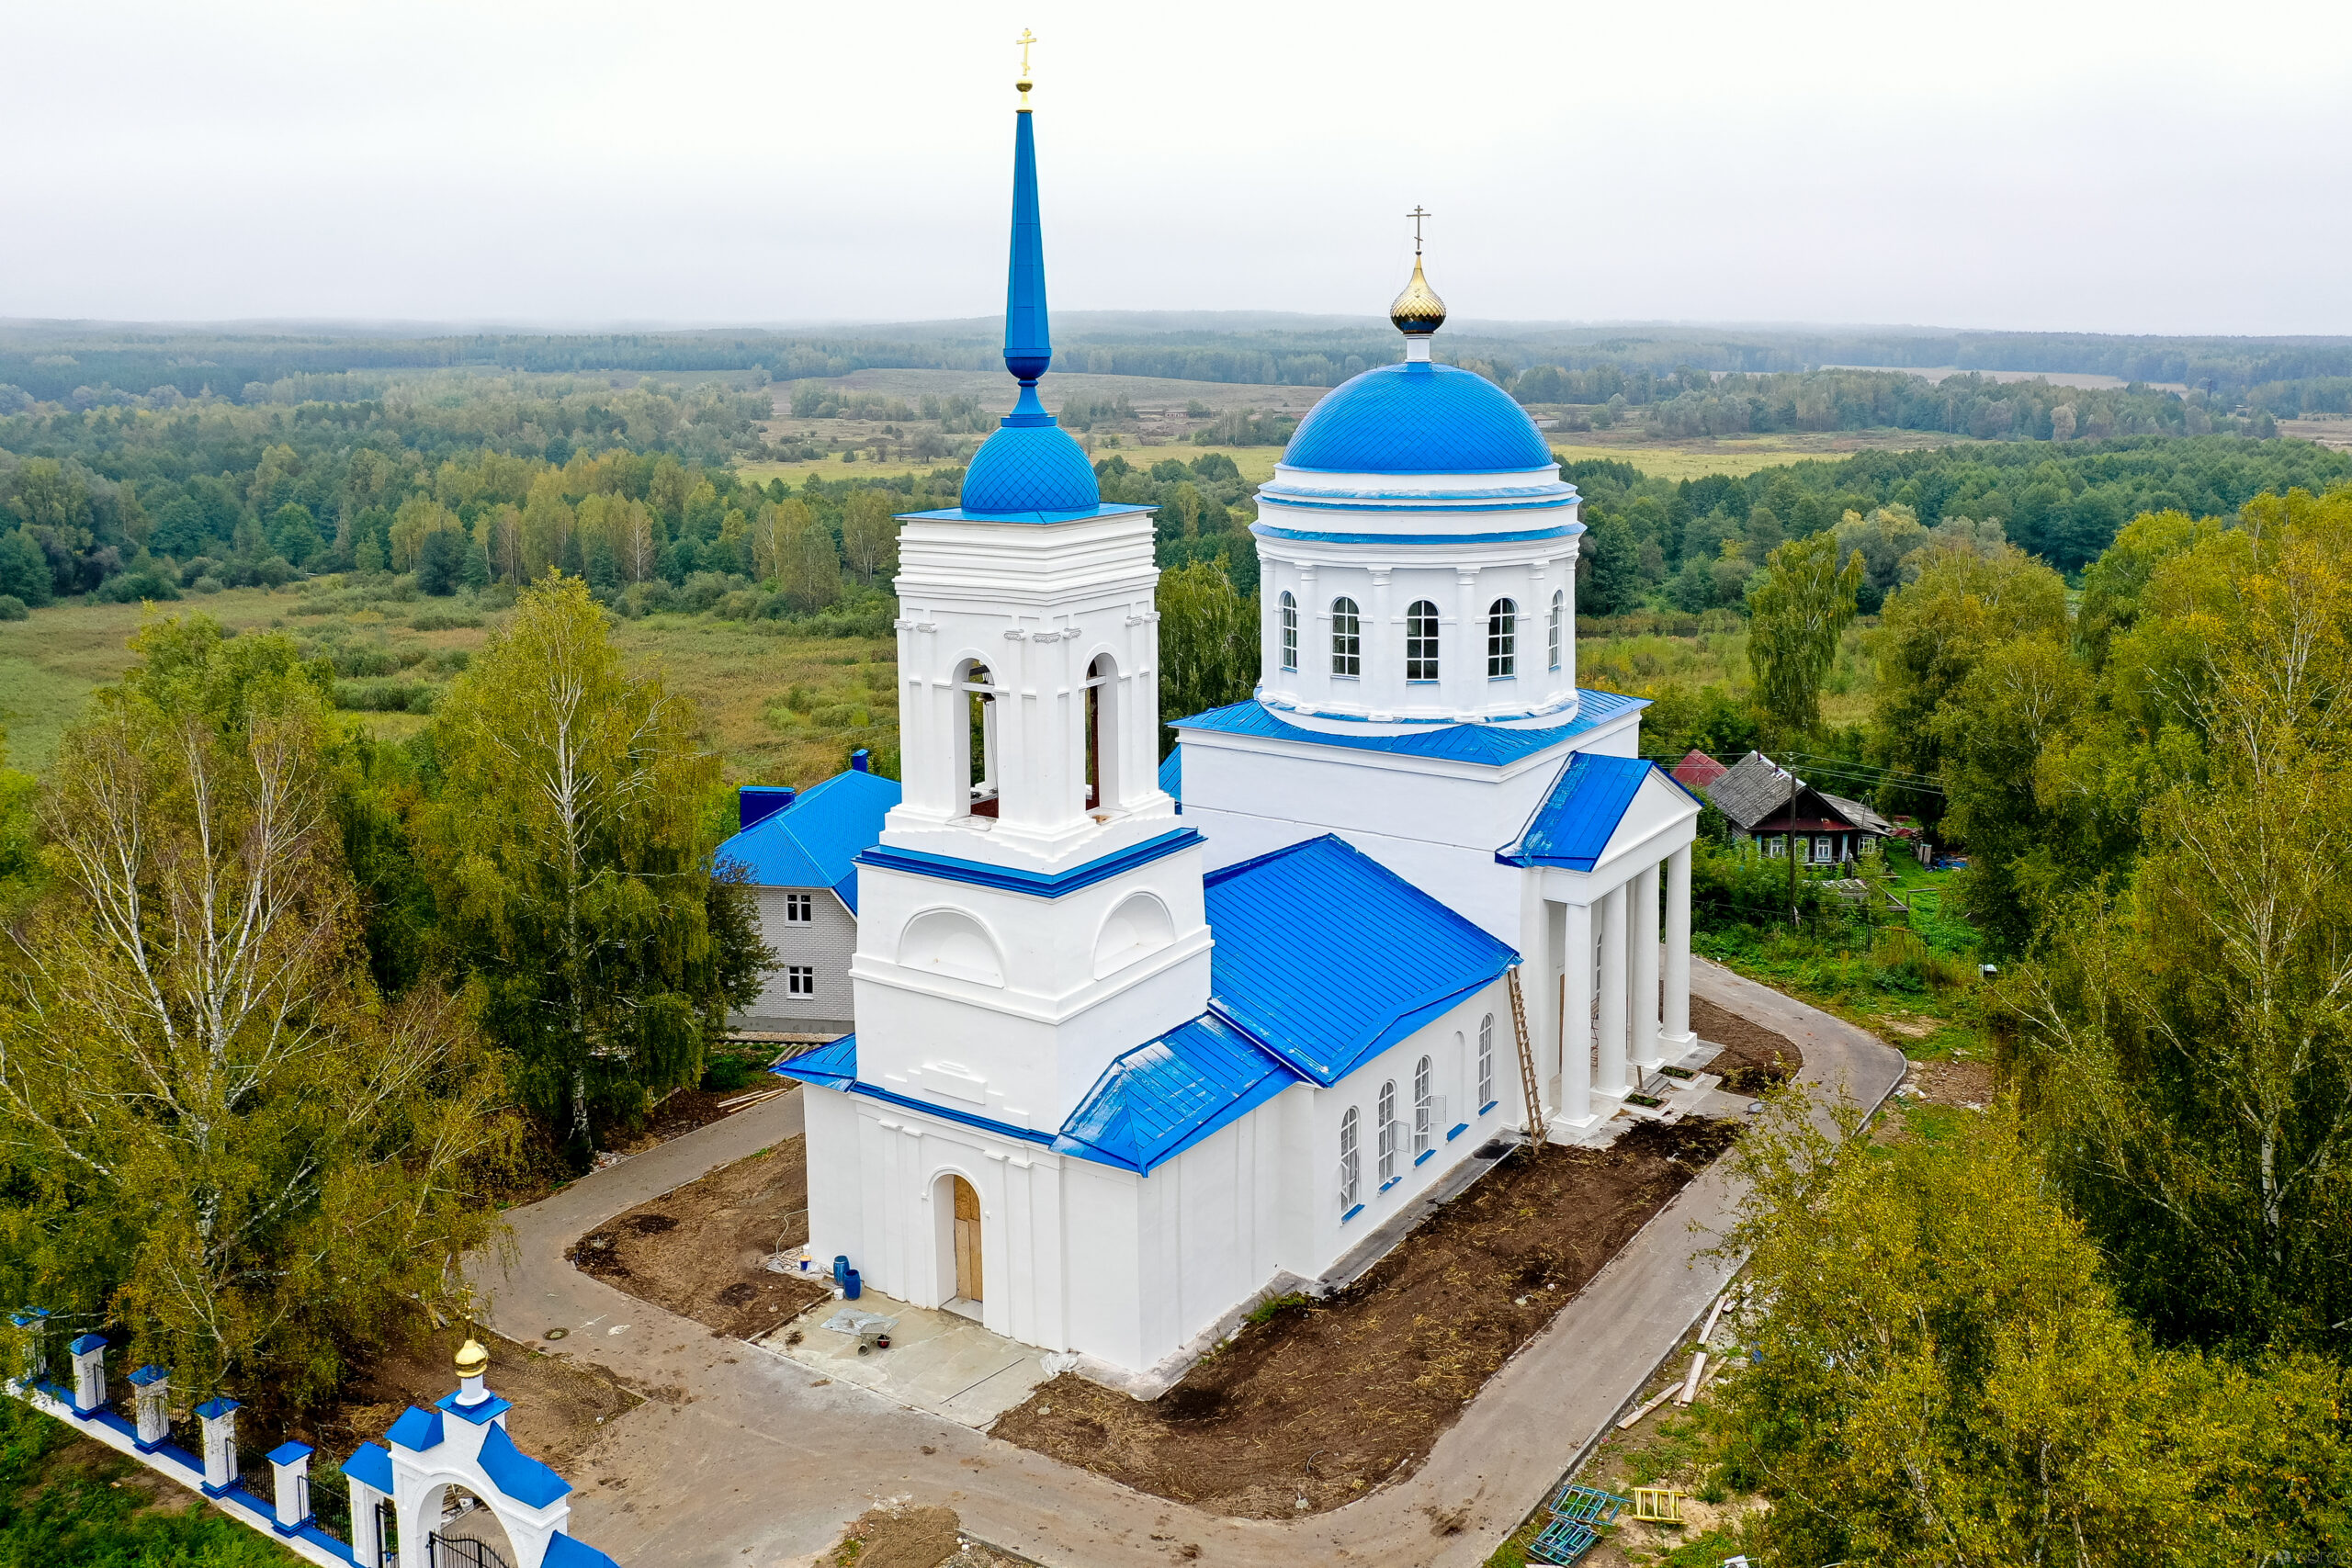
column 2043, row 165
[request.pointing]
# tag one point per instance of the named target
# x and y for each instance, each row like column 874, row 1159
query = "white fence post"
column 153, row 1386
column 89, row 1373
column 292, row 1463
column 219, row 1418
column 366, row 1524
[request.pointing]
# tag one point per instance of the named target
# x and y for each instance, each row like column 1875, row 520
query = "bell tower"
column 1034, row 905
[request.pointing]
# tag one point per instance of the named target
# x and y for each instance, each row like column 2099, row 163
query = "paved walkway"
column 745, row 1457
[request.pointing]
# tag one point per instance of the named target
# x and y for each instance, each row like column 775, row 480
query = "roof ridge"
column 1225, row 872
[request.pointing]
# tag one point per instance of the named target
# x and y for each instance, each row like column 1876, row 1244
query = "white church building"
column 1121, row 1065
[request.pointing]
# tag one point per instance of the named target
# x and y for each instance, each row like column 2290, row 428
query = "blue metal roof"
column 1168, row 1094
column 833, row 1066
column 371, row 1464
column 815, row 841
column 416, row 1430
column 517, row 1473
column 1171, row 776
column 1572, row 826
column 1492, row 744
column 290, row 1452
column 565, row 1552
column 1417, row 418
column 1326, row 957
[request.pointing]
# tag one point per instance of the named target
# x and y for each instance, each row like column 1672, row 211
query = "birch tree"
column 219, row 1136
column 572, row 868
column 1796, row 616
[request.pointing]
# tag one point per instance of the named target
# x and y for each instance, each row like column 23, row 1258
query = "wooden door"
column 967, row 1240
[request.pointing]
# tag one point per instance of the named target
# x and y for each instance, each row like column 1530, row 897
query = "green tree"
column 1942, row 1377
column 220, row 1135
column 870, row 534
column 569, row 856
column 1796, row 616
column 1208, row 642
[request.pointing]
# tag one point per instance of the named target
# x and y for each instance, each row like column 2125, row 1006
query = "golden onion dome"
column 472, row 1360
column 1417, row 311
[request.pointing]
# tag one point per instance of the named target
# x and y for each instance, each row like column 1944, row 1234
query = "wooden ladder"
column 1536, row 1128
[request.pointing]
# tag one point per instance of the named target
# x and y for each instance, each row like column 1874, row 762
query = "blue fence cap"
column 215, row 1408
column 148, row 1374
column 290, row 1453
column 87, row 1343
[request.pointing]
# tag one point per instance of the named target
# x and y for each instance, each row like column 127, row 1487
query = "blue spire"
column 1028, row 340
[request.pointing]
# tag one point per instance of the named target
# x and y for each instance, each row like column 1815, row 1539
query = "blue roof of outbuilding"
column 815, row 841
column 1326, row 957
column 1417, row 418
column 1166, row 1095
column 1171, row 776
column 1571, row 829
column 517, row 1473
column 1492, row 744
column 834, row 1066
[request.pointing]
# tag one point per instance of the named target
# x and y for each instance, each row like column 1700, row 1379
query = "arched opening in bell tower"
column 975, row 696
column 1101, row 733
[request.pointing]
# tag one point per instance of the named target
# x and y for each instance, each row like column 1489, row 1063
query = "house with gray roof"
column 1775, row 809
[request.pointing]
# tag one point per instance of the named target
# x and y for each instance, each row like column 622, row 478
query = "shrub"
column 208, row 585
column 132, row 586
column 443, row 621
column 12, row 608
column 726, row 1074
column 384, row 696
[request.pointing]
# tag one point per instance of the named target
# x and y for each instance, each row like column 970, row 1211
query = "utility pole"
column 1789, row 846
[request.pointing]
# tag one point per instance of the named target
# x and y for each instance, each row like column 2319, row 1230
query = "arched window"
column 1290, row 631
column 1347, row 639
column 1421, row 641
column 1349, row 1168
column 1101, row 733
column 1559, row 615
column 1502, row 639
column 980, row 781
column 1426, row 1113
column 1486, row 1063
column 1387, row 1132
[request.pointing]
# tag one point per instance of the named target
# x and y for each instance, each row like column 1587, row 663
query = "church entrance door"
column 967, row 1240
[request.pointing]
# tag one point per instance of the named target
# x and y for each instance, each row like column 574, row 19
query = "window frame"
column 1422, row 664
column 799, row 910
column 1502, row 639
column 800, row 981
column 1424, row 1110
column 1385, row 1114
column 1487, row 1100
column 1347, row 639
column 1351, row 1161
column 1559, row 611
column 1288, row 611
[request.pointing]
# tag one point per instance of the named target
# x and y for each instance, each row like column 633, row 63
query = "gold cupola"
column 472, row 1360
column 1417, row 311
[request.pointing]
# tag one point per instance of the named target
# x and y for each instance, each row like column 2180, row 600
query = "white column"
column 89, row 1354
column 1537, row 987
column 290, row 1462
column 1644, row 971
column 1611, row 1078
column 1383, row 677
column 366, row 1524
column 1465, row 670
column 151, row 1398
column 1575, row 1010
column 219, row 1418
column 1677, row 1035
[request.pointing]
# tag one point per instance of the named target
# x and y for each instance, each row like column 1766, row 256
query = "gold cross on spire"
column 1417, row 215
column 1025, row 41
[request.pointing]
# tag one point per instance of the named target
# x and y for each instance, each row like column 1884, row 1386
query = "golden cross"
column 1417, row 215
column 1025, row 41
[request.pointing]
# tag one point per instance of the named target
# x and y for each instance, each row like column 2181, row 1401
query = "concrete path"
column 745, row 1457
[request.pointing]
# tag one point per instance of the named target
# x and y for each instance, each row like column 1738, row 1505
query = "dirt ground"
column 560, row 1408
column 700, row 1251
column 899, row 1536
column 1324, row 1400
column 1753, row 1058
column 1957, row 1079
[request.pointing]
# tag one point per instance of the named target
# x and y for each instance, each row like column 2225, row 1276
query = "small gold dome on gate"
column 472, row 1360
column 1417, row 311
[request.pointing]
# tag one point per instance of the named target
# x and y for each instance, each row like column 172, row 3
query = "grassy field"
column 779, row 709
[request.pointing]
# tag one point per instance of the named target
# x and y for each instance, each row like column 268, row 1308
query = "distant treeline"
column 1695, row 545
column 55, row 362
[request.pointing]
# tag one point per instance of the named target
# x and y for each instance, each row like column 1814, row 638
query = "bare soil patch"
column 702, row 1250
column 560, row 1407
column 1753, row 1058
column 1955, row 1080
column 1362, row 1382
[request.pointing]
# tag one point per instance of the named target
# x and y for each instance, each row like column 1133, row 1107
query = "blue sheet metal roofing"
column 1571, row 829
column 1171, row 776
column 1326, row 957
column 416, row 1430
column 371, row 1464
column 565, row 1552
column 1492, row 744
column 517, row 1473
column 1417, row 418
column 815, row 841
column 1168, row 1094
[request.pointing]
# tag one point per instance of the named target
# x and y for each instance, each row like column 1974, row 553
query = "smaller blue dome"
column 1030, row 467
column 1417, row 418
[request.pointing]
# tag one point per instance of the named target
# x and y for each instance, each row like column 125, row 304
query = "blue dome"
column 1030, row 467
column 1417, row 418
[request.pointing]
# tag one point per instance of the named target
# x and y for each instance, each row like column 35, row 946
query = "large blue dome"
column 1417, row 418
column 1030, row 467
